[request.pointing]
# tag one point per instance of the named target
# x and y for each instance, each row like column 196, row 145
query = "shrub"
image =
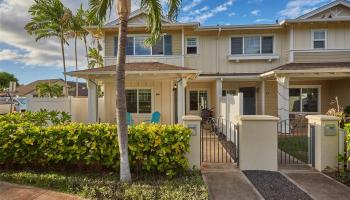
column 152, row 147
column 41, row 118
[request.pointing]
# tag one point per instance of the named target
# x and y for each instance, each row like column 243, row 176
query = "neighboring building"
column 293, row 67
column 30, row 89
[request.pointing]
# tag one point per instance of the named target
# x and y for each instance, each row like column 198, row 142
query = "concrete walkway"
column 226, row 182
column 318, row 185
column 10, row 191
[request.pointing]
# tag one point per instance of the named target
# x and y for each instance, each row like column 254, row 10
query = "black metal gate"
column 295, row 146
column 219, row 141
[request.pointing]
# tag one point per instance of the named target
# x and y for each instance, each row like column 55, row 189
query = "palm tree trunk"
column 125, row 175
column 76, row 67
column 86, row 50
column 64, row 67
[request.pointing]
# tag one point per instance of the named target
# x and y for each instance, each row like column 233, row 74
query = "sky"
column 29, row 60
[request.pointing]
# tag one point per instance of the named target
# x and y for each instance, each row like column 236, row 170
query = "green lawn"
column 296, row 146
column 106, row 186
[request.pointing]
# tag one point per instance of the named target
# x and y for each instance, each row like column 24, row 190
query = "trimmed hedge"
column 152, row 147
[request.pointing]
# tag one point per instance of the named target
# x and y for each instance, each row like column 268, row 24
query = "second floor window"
column 191, row 45
column 252, row 45
column 135, row 46
column 319, row 39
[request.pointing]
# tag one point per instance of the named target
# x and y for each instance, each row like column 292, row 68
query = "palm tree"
column 46, row 89
column 50, row 18
column 153, row 9
column 77, row 31
column 95, row 58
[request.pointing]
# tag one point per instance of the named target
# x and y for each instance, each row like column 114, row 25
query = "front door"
column 249, row 101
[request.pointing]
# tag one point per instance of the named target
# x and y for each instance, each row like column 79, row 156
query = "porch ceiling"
column 137, row 71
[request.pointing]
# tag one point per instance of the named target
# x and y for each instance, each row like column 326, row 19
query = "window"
column 191, row 45
column 140, row 47
column 198, row 100
column 304, row 100
column 319, row 39
column 252, row 45
column 228, row 92
column 139, row 100
column 135, row 45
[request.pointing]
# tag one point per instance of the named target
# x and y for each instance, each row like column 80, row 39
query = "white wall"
column 77, row 107
column 230, row 107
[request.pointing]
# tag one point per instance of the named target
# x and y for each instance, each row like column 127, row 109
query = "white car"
column 17, row 104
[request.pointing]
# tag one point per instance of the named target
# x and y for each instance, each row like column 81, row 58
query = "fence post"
column 257, row 142
column 194, row 123
column 326, row 142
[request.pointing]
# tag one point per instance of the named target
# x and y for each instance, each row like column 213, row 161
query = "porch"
column 150, row 87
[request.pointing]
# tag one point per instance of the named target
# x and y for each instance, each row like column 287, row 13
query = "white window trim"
column 197, row 44
column 151, row 48
column 188, row 109
column 254, row 35
column 137, row 99
column 319, row 87
column 325, row 38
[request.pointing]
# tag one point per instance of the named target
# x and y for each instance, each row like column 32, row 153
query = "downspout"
column 217, row 50
column 183, row 46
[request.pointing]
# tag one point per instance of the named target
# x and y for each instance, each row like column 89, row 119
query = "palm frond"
column 153, row 9
column 174, row 8
column 98, row 10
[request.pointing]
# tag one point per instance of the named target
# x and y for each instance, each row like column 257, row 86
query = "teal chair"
column 155, row 118
column 129, row 119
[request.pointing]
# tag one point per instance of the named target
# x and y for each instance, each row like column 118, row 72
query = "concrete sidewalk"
column 10, row 191
column 318, row 185
column 227, row 182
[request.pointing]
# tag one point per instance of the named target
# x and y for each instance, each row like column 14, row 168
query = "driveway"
column 318, row 185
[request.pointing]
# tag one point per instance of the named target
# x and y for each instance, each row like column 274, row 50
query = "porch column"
column 110, row 101
column 218, row 96
column 181, row 85
column 92, row 101
column 283, row 97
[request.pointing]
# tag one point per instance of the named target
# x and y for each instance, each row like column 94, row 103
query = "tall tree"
column 77, row 31
column 50, row 18
column 154, row 11
column 5, row 79
column 95, row 58
column 49, row 90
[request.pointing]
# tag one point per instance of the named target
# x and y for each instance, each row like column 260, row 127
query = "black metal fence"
column 293, row 141
column 219, row 141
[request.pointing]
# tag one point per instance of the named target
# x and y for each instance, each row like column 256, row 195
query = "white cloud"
column 263, row 20
column 255, row 12
column 199, row 16
column 193, row 4
column 231, row 14
column 22, row 47
column 295, row 8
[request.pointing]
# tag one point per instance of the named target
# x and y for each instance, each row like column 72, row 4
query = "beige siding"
column 345, row 12
column 337, row 35
column 213, row 56
column 161, row 94
column 271, row 98
column 340, row 88
column 302, row 57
